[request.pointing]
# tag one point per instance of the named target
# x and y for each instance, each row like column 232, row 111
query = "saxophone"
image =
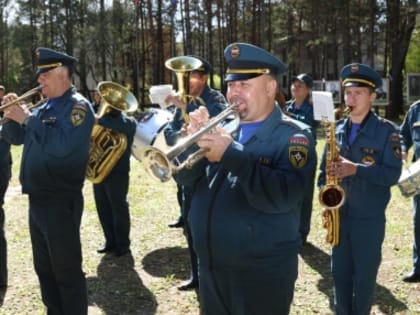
column 106, row 145
column 332, row 195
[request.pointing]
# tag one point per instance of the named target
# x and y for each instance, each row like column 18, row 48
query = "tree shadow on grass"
column 320, row 261
column 118, row 289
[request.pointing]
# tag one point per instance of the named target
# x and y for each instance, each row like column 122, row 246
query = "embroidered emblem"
column 355, row 67
column 298, row 150
column 368, row 160
column 235, row 51
column 298, row 155
column 78, row 114
column 299, row 138
column 265, row 160
column 396, row 149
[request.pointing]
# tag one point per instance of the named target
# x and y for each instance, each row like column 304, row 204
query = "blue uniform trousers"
column 113, row 209
column 355, row 262
column 306, row 209
column 248, row 292
column 55, row 233
column 5, row 174
column 187, row 193
column 416, row 245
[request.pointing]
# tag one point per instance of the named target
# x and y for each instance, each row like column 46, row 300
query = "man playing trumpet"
column 55, row 140
column 245, row 208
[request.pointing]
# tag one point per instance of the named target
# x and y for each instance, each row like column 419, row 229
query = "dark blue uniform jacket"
column 410, row 130
column 56, row 146
column 377, row 152
column 245, row 209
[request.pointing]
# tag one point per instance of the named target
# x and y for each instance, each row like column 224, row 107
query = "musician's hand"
column 176, row 100
column 9, row 97
column 16, row 113
column 198, row 119
column 343, row 168
column 215, row 143
column 404, row 157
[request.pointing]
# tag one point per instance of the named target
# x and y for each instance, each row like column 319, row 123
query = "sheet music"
column 323, row 106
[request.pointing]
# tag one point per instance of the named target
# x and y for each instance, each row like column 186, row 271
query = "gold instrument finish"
column 162, row 165
column 332, row 195
column 107, row 146
column 183, row 66
column 27, row 95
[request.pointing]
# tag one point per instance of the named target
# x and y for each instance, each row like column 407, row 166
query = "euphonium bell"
column 162, row 165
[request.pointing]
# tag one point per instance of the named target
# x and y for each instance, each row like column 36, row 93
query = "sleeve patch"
column 298, row 150
column 299, row 138
column 78, row 114
column 298, row 155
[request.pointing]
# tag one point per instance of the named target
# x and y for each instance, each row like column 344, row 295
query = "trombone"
column 163, row 164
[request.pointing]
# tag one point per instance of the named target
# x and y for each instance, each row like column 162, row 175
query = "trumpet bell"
column 117, row 96
column 157, row 164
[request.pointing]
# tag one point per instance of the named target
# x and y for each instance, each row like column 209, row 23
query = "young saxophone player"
column 369, row 163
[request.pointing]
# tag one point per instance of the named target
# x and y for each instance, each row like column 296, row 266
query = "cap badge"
column 355, row 67
column 235, row 51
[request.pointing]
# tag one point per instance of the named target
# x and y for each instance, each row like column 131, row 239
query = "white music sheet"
column 323, row 106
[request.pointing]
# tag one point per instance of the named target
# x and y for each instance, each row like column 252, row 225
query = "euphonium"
column 106, row 145
column 332, row 195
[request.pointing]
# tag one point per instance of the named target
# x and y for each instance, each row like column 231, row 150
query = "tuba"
column 332, row 195
column 183, row 66
column 107, row 145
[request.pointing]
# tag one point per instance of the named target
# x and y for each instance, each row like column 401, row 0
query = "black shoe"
column 412, row 277
column 105, row 249
column 177, row 224
column 188, row 285
column 118, row 252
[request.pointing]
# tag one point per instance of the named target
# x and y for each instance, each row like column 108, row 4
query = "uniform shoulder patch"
column 298, row 150
column 78, row 113
column 395, row 138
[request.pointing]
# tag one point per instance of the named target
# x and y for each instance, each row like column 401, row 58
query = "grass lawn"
column 145, row 283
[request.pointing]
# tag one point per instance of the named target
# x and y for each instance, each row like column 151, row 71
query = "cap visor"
column 241, row 76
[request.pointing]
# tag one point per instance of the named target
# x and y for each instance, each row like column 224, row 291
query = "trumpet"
column 28, row 94
column 24, row 96
column 162, row 165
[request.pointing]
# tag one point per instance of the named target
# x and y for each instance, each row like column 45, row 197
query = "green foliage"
column 412, row 62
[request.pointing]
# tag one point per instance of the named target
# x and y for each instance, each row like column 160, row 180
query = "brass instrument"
column 332, row 195
column 183, row 66
column 162, row 165
column 29, row 94
column 107, row 145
